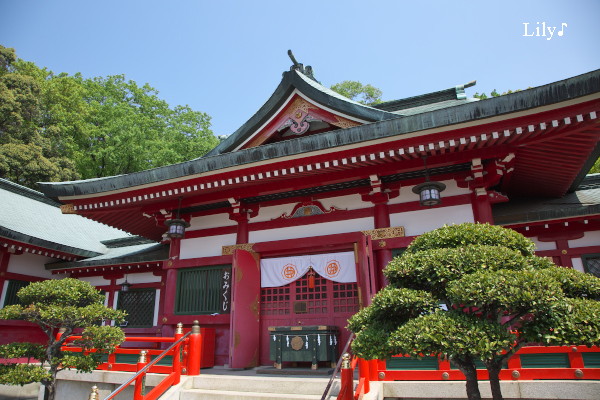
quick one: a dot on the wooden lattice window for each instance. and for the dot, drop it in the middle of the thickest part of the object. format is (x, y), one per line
(11, 292)
(314, 298)
(139, 305)
(345, 297)
(275, 300)
(591, 264)
(299, 298)
(205, 290)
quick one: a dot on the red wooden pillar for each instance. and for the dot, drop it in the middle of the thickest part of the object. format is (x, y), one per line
(381, 219)
(111, 292)
(482, 207)
(242, 227)
(4, 257)
(170, 287)
(241, 215)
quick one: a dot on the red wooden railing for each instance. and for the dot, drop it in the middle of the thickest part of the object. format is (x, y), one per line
(185, 350)
(377, 370)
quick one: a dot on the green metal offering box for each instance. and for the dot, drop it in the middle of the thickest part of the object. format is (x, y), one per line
(303, 343)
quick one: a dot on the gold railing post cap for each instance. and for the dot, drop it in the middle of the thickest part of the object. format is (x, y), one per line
(179, 329)
(142, 358)
(94, 395)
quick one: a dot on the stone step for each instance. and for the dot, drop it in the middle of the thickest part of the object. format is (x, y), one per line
(264, 384)
(205, 394)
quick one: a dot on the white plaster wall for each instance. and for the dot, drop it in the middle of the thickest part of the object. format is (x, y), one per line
(211, 221)
(205, 246)
(30, 264)
(349, 202)
(543, 245)
(577, 264)
(425, 220)
(407, 195)
(95, 280)
(589, 239)
(272, 212)
(326, 228)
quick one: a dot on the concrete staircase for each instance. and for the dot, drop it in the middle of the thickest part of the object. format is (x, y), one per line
(257, 387)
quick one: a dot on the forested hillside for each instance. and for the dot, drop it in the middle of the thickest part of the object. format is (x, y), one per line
(57, 127)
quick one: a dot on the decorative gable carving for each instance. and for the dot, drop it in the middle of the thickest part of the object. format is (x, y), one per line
(307, 209)
(298, 118)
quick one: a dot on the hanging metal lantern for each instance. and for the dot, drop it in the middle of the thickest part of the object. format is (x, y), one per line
(125, 285)
(176, 226)
(429, 191)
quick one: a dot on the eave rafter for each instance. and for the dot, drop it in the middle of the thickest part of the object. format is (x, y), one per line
(549, 230)
(126, 268)
(18, 248)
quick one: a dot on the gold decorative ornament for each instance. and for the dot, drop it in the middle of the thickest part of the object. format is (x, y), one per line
(382, 243)
(578, 373)
(385, 233)
(515, 374)
(346, 361)
(344, 123)
(297, 343)
(564, 252)
(300, 105)
(381, 375)
(164, 320)
(228, 250)
(68, 208)
(445, 376)
(94, 394)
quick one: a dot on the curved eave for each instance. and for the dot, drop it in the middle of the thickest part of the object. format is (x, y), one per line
(547, 95)
(45, 244)
(154, 254)
(316, 92)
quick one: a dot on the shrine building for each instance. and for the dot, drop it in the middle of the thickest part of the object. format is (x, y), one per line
(291, 219)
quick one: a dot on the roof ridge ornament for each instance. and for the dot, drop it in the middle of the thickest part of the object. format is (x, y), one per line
(308, 71)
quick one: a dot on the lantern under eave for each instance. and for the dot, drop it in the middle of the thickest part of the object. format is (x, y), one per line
(429, 193)
(176, 228)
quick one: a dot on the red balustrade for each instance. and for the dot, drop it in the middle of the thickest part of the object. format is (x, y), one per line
(528, 363)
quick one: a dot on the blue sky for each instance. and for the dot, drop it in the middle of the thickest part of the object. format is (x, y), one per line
(226, 57)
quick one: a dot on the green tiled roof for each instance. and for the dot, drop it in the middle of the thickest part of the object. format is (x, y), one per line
(32, 218)
(583, 202)
(120, 255)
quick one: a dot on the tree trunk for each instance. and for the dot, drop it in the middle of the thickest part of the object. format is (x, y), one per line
(49, 391)
(467, 367)
(494, 373)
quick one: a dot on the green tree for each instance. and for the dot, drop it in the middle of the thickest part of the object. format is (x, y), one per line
(462, 291)
(26, 150)
(354, 90)
(69, 304)
(72, 127)
(129, 128)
